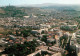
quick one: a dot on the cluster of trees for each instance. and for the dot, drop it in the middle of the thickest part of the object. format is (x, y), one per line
(78, 40)
(43, 53)
(68, 28)
(63, 41)
(20, 32)
(24, 33)
(44, 39)
(71, 51)
(21, 49)
(11, 11)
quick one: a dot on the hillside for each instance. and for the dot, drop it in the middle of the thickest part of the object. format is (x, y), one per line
(65, 12)
(58, 12)
(11, 11)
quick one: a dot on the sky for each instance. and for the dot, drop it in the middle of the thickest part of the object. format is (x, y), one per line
(29, 2)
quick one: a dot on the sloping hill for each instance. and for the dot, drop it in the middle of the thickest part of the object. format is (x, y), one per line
(11, 11)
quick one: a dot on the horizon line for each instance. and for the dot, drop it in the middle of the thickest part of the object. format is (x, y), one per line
(37, 4)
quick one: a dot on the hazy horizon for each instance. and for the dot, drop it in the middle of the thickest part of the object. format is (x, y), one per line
(30, 2)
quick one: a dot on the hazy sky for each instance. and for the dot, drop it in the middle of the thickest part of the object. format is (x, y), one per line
(22, 2)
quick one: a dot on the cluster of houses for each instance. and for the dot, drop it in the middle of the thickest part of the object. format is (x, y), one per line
(50, 27)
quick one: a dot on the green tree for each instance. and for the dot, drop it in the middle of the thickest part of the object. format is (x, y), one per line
(44, 38)
(26, 33)
(21, 49)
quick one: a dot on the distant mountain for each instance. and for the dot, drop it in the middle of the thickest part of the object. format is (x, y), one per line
(52, 6)
(41, 5)
(44, 5)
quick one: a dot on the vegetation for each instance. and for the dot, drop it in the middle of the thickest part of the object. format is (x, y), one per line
(44, 38)
(43, 53)
(68, 28)
(63, 41)
(52, 11)
(23, 32)
(21, 49)
(11, 11)
(78, 41)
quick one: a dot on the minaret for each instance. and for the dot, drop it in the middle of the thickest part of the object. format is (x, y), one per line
(9, 4)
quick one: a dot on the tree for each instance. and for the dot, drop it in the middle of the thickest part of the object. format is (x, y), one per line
(21, 49)
(26, 33)
(63, 40)
(17, 33)
(44, 38)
